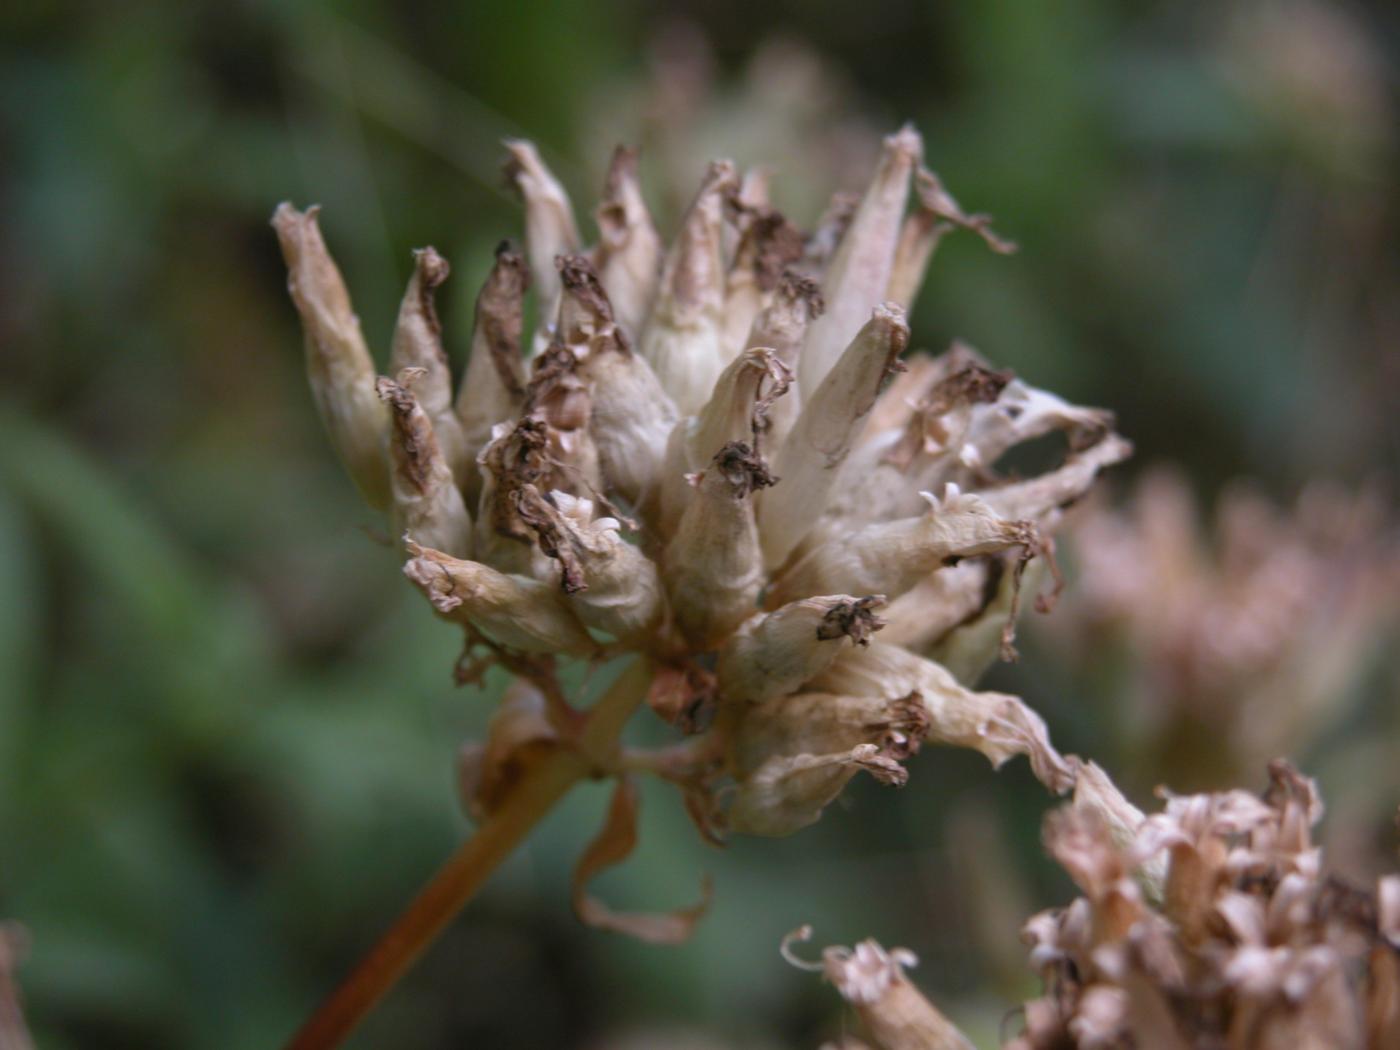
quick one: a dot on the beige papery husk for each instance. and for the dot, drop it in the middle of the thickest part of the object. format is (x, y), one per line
(717, 455)
(1212, 923)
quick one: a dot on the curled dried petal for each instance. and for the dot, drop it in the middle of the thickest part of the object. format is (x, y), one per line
(427, 503)
(613, 845)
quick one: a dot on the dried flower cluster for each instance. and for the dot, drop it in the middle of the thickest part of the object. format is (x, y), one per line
(1241, 645)
(698, 456)
(1208, 925)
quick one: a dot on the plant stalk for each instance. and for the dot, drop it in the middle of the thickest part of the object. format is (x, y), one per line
(466, 870)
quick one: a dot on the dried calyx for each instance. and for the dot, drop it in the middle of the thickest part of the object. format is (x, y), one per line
(717, 455)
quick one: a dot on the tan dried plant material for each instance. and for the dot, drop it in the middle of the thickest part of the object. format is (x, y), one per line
(855, 281)
(494, 383)
(338, 363)
(629, 252)
(428, 505)
(1247, 633)
(550, 230)
(713, 566)
(519, 736)
(514, 611)
(824, 432)
(684, 335)
(774, 653)
(614, 844)
(698, 471)
(417, 344)
(894, 1013)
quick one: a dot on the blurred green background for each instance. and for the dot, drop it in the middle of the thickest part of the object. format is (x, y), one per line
(227, 728)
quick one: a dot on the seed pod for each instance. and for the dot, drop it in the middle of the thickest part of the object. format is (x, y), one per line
(629, 252)
(788, 792)
(621, 593)
(895, 1013)
(549, 230)
(713, 567)
(823, 435)
(891, 557)
(859, 273)
(338, 363)
(736, 411)
(513, 611)
(772, 654)
(428, 506)
(631, 415)
(995, 724)
(494, 383)
(418, 344)
(684, 337)
(782, 326)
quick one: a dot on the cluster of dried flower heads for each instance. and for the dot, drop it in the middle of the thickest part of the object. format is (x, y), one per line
(1234, 646)
(712, 456)
(1208, 925)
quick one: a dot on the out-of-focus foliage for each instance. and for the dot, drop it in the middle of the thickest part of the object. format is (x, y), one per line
(226, 744)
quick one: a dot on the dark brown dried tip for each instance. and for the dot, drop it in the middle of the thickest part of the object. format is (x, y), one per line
(413, 433)
(770, 243)
(855, 620)
(581, 283)
(500, 312)
(433, 269)
(538, 513)
(798, 287)
(743, 468)
(903, 735)
(937, 200)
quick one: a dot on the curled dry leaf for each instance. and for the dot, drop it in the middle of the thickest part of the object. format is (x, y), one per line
(611, 847)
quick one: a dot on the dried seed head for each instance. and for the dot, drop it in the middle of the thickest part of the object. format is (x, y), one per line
(338, 362)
